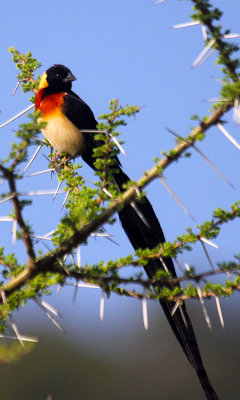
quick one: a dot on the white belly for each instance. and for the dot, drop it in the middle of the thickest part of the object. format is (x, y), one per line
(63, 135)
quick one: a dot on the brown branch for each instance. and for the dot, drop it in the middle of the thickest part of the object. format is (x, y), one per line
(18, 213)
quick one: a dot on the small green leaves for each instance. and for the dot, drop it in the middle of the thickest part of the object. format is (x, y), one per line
(27, 65)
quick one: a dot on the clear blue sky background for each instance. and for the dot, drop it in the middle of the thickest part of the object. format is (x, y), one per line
(126, 50)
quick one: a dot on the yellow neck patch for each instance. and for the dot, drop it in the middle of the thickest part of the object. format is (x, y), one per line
(43, 81)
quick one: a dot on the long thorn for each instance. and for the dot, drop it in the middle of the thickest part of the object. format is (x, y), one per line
(203, 156)
(204, 32)
(49, 315)
(144, 311)
(183, 316)
(102, 300)
(203, 53)
(176, 198)
(203, 239)
(41, 172)
(199, 291)
(24, 338)
(14, 232)
(219, 311)
(140, 214)
(7, 198)
(164, 264)
(207, 255)
(75, 292)
(174, 309)
(228, 136)
(33, 157)
(118, 144)
(57, 190)
(17, 116)
(12, 322)
(65, 199)
(186, 24)
(16, 88)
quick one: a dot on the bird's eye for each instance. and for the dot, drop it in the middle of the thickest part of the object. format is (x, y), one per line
(58, 76)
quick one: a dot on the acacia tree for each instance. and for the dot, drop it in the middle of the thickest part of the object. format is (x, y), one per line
(89, 207)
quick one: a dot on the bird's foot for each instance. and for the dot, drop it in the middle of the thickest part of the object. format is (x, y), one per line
(58, 165)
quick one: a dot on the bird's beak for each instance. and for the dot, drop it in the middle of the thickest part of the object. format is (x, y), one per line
(69, 78)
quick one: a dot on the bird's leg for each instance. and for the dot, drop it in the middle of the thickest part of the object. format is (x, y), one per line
(58, 165)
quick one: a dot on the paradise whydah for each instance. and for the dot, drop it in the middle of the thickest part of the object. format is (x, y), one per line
(67, 116)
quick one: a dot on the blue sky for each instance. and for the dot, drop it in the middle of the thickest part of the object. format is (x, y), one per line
(127, 50)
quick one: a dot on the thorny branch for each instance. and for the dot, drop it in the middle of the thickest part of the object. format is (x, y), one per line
(52, 262)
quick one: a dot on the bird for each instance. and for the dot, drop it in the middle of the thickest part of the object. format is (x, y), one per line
(67, 119)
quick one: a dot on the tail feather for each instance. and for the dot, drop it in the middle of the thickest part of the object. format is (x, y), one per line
(141, 236)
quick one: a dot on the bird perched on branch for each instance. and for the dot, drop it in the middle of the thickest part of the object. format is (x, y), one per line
(67, 116)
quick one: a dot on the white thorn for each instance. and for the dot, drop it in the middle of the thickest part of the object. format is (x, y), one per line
(207, 255)
(219, 311)
(75, 291)
(24, 338)
(158, 2)
(40, 192)
(203, 239)
(83, 285)
(65, 199)
(15, 328)
(187, 266)
(174, 309)
(215, 100)
(17, 116)
(213, 166)
(199, 291)
(102, 299)
(118, 144)
(206, 57)
(140, 214)
(48, 307)
(72, 258)
(179, 265)
(32, 159)
(59, 288)
(57, 190)
(14, 232)
(12, 322)
(236, 112)
(217, 80)
(183, 316)
(228, 136)
(231, 36)
(6, 219)
(107, 192)
(49, 234)
(79, 256)
(203, 53)
(204, 32)
(186, 24)
(144, 311)
(164, 264)
(16, 88)
(170, 191)
(7, 198)
(41, 172)
(203, 156)
(49, 315)
(138, 191)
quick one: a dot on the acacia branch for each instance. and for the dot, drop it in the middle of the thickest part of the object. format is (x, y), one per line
(19, 218)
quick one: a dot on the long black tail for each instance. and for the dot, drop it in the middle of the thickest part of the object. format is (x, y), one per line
(144, 231)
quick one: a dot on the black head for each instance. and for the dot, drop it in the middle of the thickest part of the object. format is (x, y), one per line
(58, 77)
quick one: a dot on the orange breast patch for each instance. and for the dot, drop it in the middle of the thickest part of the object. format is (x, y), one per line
(51, 104)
